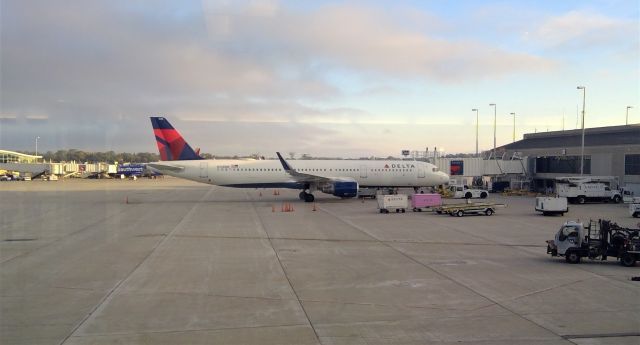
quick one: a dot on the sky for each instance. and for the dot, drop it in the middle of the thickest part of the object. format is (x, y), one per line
(324, 78)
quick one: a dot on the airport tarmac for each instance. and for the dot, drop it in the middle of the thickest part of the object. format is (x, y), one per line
(170, 261)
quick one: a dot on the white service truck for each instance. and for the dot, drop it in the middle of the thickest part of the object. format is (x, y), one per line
(463, 191)
(581, 190)
(634, 208)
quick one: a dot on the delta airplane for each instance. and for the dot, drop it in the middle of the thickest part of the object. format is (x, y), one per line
(340, 178)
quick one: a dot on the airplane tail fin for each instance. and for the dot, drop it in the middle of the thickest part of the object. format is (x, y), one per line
(170, 143)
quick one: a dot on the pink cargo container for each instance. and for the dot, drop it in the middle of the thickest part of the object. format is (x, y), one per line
(420, 201)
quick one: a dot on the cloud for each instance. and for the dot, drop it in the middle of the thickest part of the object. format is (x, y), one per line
(86, 67)
(371, 41)
(584, 29)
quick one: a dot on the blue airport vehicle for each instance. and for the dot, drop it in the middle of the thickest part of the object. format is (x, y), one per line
(132, 170)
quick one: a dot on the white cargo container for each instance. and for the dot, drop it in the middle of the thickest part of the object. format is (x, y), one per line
(551, 205)
(395, 202)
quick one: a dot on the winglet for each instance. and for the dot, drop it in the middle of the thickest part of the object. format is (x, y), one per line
(285, 165)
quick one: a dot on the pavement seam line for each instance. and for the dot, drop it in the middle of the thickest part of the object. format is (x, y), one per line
(186, 330)
(442, 274)
(259, 217)
(45, 245)
(116, 288)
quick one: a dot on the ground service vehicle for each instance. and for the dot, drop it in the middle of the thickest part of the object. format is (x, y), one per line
(627, 195)
(634, 208)
(458, 192)
(460, 210)
(421, 201)
(550, 205)
(597, 241)
(367, 193)
(582, 189)
(394, 202)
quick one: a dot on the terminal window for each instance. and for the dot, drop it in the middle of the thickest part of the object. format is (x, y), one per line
(632, 164)
(562, 164)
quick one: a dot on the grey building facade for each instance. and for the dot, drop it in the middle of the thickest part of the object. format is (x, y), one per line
(608, 151)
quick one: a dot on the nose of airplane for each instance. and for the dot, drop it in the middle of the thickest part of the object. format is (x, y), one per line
(443, 178)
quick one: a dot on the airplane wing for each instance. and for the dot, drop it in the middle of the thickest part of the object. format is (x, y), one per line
(302, 177)
(165, 167)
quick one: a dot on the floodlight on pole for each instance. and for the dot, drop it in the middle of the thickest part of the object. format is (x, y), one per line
(37, 145)
(495, 118)
(477, 125)
(627, 118)
(584, 96)
(514, 126)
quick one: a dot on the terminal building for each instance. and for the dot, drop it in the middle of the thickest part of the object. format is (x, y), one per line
(17, 157)
(539, 158)
(608, 151)
(29, 165)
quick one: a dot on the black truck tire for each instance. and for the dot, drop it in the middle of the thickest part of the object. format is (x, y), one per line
(572, 257)
(617, 199)
(488, 212)
(581, 199)
(628, 260)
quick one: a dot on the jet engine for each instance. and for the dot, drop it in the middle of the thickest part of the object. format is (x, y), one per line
(343, 189)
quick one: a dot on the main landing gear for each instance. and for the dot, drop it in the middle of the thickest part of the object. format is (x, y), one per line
(307, 197)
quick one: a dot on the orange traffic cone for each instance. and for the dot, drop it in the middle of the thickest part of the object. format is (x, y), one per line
(314, 207)
(292, 210)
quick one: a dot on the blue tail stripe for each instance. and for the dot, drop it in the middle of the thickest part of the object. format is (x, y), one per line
(160, 123)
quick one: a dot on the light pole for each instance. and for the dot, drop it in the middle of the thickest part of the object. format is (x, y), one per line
(514, 126)
(495, 118)
(627, 121)
(477, 124)
(584, 96)
(37, 146)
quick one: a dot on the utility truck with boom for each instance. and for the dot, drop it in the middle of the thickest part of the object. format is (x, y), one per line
(590, 188)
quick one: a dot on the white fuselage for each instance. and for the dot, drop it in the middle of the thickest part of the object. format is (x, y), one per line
(270, 173)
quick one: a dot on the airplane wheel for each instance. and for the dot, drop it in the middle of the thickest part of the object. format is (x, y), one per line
(309, 197)
(302, 195)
